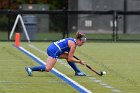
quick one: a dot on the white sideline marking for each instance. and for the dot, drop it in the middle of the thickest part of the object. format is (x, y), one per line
(92, 78)
(10, 60)
(5, 81)
(97, 81)
(115, 90)
(17, 82)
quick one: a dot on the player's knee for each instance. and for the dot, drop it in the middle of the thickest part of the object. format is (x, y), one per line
(48, 69)
(67, 59)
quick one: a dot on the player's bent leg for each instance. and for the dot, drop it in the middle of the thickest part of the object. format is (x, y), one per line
(38, 68)
(64, 56)
(29, 70)
(73, 65)
(76, 69)
(50, 63)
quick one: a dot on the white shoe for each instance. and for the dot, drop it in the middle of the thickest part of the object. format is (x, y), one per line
(29, 71)
(80, 74)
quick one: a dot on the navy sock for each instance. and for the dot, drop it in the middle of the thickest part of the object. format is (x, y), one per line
(38, 68)
(74, 67)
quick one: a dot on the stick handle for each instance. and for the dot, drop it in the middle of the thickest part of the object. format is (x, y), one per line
(76, 57)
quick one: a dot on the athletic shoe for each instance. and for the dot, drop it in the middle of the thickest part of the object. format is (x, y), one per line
(29, 71)
(80, 74)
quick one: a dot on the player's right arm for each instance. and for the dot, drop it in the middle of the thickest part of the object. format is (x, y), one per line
(72, 47)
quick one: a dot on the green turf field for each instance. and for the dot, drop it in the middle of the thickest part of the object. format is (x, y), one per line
(58, 35)
(119, 60)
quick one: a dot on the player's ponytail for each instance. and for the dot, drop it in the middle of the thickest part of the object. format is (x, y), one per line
(80, 36)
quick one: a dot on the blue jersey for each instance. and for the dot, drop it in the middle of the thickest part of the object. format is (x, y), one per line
(59, 47)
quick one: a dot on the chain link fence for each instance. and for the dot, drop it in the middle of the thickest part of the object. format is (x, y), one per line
(100, 20)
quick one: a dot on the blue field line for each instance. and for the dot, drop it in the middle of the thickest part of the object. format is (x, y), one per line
(71, 82)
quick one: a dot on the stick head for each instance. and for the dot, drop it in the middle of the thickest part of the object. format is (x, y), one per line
(102, 73)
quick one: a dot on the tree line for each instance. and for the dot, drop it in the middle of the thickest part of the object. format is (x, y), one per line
(14, 4)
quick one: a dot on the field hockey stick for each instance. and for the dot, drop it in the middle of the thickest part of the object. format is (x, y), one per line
(100, 74)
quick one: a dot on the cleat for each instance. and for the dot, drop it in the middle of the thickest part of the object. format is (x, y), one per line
(29, 71)
(80, 74)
